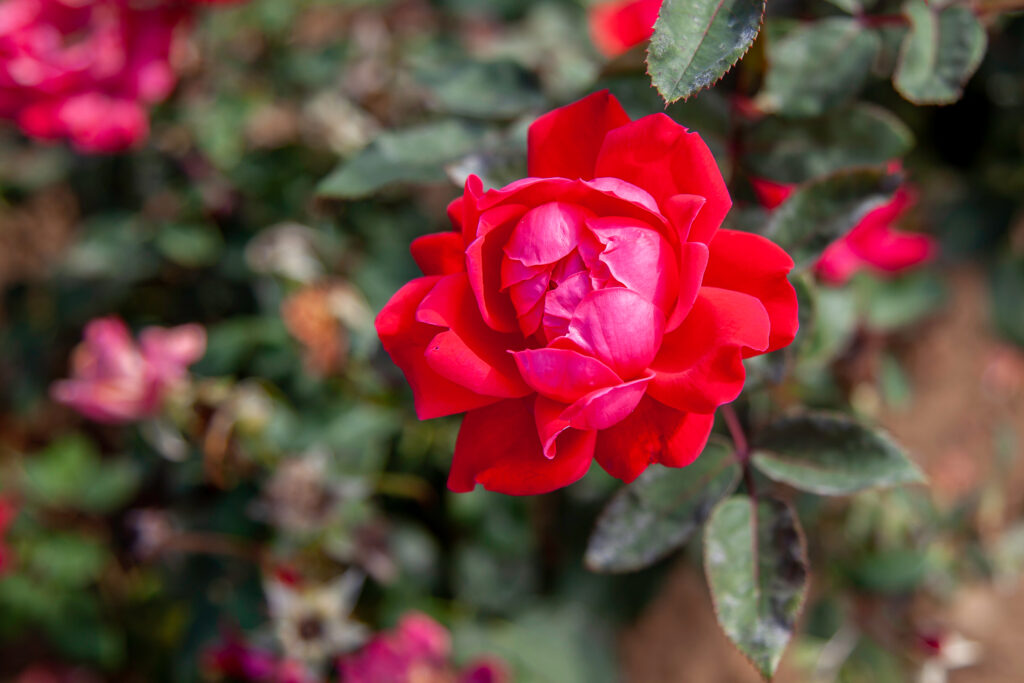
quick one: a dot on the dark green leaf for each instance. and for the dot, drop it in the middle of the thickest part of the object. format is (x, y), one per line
(824, 210)
(415, 155)
(942, 50)
(491, 90)
(831, 455)
(756, 563)
(660, 511)
(65, 559)
(70, 473)
(817, 66)
(696, 41)
(788, 151)
(188, 245)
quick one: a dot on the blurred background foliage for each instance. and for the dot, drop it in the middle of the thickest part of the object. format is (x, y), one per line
(307, 143)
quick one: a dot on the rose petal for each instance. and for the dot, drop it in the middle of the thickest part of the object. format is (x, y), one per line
(700, 365)
(562, 374)
(561, 302)
(620, 328)
(602, 408)
(652, 433)
(639, 258)
(748, 263)
(546, 234)
(440, 253)
(498, 447)
(659, 155)
(484, 262)
(405, 339)
(618, 25)
(564, 143)
(469, 353)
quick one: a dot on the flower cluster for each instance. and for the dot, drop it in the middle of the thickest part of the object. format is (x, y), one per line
(116, 380)
(87, 70)
(594, 310)
(872, 244)
(418, 649)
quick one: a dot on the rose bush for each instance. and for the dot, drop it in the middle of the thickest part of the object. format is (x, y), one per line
(872, 244)
(594, 310)
(617, 26)
(115, 380)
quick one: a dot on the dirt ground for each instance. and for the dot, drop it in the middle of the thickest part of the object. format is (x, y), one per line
(965, 426)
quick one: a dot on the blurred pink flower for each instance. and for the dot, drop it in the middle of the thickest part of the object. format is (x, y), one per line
(115, 380)
(234, 659)
(7, 514)
(418, 649)
(87, 70)
(874, 243)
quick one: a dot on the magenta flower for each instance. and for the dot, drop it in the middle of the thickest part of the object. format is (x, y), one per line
(418, 649)
(113, 379)
(7, 514)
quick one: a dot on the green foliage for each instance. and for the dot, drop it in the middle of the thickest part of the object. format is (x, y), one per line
(756, 563)
(416, 155)
(696, 43)
(70, 473)
(661, 511)
(1008, 297)
(942, 50)
(795, 151)
(818, 66)
(825, 209)
(831, 455)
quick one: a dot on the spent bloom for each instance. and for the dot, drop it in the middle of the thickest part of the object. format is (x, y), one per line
(873, 244)
(594, 310)
(113, 379)
(418, 649)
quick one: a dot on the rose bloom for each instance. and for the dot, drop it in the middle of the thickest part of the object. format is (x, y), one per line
(418, 649)
(592, 310)
(113, 379)
(619, 25)
(872, 244)
(87, 70)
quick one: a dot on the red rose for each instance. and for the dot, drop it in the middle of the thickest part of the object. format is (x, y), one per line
(873, 243)
(621, 24)
(592, 310)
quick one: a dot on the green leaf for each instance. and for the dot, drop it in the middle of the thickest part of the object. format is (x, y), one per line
(788, 151)
(65, 559)
(660, 511)
(831, 455)
(414, 155)
(70, 473)
(824, 210)
(755, 559)
(696, 42)
(942, 50)
(491, 90)
(190, 245)
(818, 66)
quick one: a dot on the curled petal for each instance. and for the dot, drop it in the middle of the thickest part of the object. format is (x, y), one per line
(440, 253)
(620, 328)
(484, 264)
(652, 433)
(564, 143)
(748, 263)
(405, 339)
(603, 408)
(469, 352)
(563, 374)
(546, 234)
(639, 258)
(700, 365)
(499, 448)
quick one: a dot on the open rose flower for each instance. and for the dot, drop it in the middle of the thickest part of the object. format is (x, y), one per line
(619, 25)
(418, 649)
(592, 310)
(872, 244)
(113, 379)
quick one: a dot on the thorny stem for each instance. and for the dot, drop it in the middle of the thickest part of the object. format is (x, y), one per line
(739, 440)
